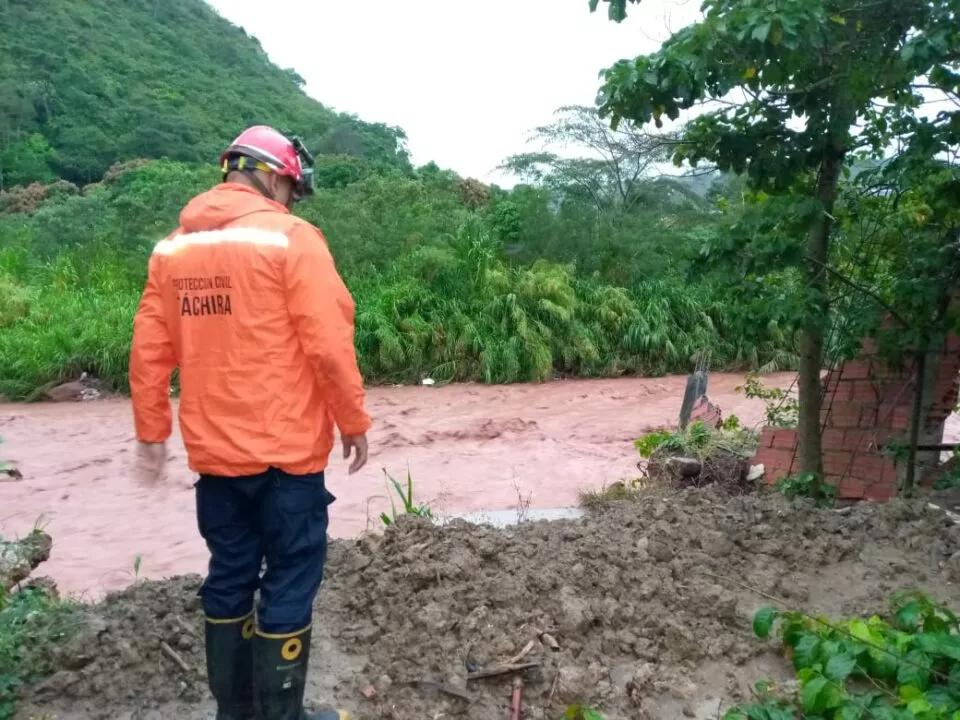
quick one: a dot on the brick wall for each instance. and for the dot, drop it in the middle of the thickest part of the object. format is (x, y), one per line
(866, 404)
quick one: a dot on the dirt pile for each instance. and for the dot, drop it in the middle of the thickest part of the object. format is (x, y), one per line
(646, 608)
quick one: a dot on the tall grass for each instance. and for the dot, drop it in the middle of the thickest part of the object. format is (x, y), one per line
(450, 306)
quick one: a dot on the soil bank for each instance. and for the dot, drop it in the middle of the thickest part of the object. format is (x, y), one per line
(649, 603)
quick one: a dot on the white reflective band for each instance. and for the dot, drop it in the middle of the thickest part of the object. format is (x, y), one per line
(248, 236)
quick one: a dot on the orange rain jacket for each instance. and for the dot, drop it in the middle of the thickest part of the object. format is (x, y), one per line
(245, 299)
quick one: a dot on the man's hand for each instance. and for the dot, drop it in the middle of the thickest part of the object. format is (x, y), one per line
(151, 460)
(357, 443)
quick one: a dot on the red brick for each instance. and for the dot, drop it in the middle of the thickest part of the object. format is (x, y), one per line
(845, 416)
(855, 370)
(776, 463)
(863, 392)
(785, 439)
(843, 392)
(837, 462)
(895, 392)
(889, 476)
(851, 489)
(857, 440)
(881, 370)
(832, 438)
(953, 344)
(900, 419)
(868, 417)
(869, 468)
(879, 491)
(868, 347)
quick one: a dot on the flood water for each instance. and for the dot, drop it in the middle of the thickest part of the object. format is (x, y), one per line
(469, 448)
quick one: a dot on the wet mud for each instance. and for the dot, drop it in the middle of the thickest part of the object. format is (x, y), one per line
(642, 609)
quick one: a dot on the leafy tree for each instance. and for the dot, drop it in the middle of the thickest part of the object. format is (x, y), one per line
(820, 81)
(621, 159)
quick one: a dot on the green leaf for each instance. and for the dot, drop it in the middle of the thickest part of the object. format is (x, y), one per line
(953, 682)
(859, 629)
(816, 695)
(920, 705)
(839, 667)
(763, 621)
(939, 644)
(914, 670)
(909, 693)
(909, 615)
(761, 32)
(805, 653)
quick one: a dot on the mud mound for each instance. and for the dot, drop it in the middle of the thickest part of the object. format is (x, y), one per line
(643, 609)
(142, 645)
(637, 598)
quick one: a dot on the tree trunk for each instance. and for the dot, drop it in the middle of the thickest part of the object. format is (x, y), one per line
(811, 341)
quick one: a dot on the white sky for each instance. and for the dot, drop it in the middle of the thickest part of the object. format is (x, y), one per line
(467, 81)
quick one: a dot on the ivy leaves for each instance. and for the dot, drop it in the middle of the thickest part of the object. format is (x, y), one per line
(906, 669)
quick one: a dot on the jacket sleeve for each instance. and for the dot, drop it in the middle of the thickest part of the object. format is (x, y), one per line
(323, 313)
(152, 360)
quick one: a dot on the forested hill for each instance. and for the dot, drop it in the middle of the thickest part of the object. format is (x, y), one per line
(87, 83)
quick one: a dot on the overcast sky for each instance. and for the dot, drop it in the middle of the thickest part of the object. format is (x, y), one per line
(466, 80)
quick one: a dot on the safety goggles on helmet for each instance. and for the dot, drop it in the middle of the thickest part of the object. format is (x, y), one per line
(263, 148)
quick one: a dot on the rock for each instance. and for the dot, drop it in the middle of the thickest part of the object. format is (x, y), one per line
(952, 567)
(67, 392)
(18, 558)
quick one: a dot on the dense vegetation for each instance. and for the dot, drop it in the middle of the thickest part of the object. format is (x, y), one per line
(436, 292)
(584, 269)
(87, 83)
(797, 93)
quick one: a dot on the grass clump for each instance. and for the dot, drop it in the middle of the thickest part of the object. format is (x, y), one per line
(624, 489)
(31, 623)
(805, 485)
(406, 501)
(903, 667)
(699, 440)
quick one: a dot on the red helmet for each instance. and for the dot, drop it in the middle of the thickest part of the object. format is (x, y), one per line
(272, 152)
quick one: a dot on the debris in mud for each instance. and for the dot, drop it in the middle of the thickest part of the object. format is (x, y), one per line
(642, 610)
(707, 413)
(19, 558)
(720, 466)
(12, 474)
(698, 455)
(84, 388)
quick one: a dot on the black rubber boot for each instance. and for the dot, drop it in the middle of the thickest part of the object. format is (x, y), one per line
(230, 667)
(280, 673)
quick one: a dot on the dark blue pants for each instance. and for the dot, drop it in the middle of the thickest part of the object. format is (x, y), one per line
(274, 515)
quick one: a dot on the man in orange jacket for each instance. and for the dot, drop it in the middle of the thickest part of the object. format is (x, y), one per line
(245, 300)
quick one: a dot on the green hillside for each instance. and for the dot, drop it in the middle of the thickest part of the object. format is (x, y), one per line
(87, 83)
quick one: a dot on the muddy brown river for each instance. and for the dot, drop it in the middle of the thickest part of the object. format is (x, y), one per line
(468, 447)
